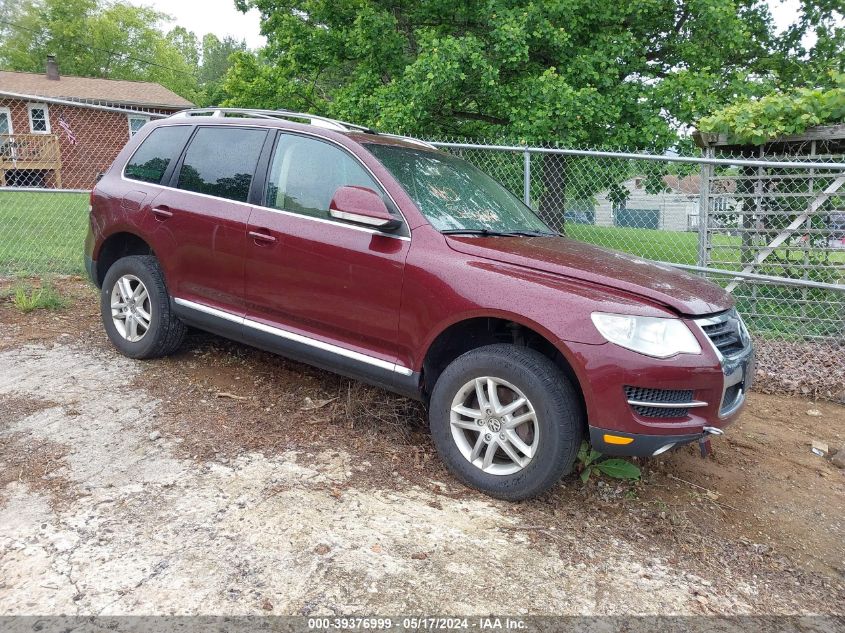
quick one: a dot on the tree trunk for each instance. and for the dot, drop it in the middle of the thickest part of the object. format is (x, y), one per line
(552, 200)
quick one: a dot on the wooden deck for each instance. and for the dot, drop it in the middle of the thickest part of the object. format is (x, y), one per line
(30, 152)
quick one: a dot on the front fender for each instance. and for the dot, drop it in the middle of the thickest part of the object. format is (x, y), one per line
(442, 289)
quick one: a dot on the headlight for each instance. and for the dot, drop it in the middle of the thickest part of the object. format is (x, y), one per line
(652, 336)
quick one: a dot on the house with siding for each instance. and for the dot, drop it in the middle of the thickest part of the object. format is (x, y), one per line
(61, 132)
(674, 209)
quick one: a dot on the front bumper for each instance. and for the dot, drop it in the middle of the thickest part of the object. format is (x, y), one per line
(712, 385)
(640, 445)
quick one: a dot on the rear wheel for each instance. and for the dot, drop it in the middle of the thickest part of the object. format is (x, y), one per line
(135, 309)
(506, 420)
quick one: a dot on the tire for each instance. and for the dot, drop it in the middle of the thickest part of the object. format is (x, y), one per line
(165, 332)
(554, 433)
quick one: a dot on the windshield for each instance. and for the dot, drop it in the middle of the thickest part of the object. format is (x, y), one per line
(455, 196)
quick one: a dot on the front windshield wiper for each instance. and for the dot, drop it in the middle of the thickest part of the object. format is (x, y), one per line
(535, 233)
(491, 233)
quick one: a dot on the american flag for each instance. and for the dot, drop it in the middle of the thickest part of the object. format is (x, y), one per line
(71, 137)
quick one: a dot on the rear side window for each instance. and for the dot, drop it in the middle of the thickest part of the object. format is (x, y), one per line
(305, 173)
(221, 162)
(151, 159)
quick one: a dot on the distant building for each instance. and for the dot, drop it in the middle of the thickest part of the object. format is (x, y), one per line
(57, 145)
(675, 209)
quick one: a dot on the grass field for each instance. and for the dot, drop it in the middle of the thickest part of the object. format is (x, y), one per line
(42, 232)
(666, 246)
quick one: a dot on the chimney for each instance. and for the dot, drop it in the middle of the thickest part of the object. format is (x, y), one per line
(52, 68)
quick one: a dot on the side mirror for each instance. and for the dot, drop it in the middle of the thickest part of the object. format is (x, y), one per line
(363, 206)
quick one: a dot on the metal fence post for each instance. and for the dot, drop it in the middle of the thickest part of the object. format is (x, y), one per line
(526, 182)
(704, 208)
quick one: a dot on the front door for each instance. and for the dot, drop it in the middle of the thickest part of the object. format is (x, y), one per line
(315, 276)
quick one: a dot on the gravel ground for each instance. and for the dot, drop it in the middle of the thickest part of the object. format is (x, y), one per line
(801, 368)
(228, 481)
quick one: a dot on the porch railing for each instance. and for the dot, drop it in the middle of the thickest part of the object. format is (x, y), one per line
(20, 152)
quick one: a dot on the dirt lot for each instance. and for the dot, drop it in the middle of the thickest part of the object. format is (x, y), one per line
(228, 481)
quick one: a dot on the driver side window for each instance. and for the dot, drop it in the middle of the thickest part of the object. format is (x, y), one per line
(305, 173)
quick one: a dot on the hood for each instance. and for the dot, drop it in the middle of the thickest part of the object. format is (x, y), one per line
(687, 294)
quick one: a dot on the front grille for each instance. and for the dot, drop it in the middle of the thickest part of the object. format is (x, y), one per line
(726, 333)
(646, 394)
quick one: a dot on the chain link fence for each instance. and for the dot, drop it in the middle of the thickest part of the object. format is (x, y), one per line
(51, 153)
(771, 229)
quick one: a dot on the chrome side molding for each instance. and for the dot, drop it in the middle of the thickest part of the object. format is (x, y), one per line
(299, 338)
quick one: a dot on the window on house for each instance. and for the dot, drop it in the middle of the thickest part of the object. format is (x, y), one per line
(5, 121)
(136, 122)
(39, 118)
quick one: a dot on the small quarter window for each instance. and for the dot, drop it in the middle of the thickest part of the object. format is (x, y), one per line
(153, 157)
(221, 162)
(39, 118)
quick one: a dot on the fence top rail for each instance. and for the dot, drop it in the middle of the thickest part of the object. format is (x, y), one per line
(772, 279)
(81, 104)
(728, 162)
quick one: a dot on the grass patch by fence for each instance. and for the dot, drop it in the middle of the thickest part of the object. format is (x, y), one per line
(681, 247)
(666, 246)
(42, 232)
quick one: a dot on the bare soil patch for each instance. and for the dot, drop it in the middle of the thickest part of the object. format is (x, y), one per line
(16, 406)
(36, 463)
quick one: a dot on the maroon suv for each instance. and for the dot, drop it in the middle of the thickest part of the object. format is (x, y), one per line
(381, 258)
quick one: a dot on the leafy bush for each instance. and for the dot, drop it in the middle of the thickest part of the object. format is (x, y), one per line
(591, 460)
(756, 121)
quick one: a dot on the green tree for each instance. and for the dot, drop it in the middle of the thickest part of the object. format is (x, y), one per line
(577, 71)
(216, 61)
(91, 38)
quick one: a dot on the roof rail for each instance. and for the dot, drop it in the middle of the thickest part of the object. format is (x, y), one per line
(409, 139)
(313, 119)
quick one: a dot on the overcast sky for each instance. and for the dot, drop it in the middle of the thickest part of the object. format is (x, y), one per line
(221, 18)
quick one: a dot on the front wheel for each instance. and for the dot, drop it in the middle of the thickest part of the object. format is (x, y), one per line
(135, 308)
(506, 420)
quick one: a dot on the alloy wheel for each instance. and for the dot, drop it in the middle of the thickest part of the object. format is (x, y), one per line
(494, 425)
(130, 308)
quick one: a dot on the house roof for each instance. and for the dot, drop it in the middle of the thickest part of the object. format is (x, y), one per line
(93, 90)
(691, 184)
(688, 184)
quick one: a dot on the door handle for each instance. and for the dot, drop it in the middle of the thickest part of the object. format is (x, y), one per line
(162, 212)
(261, 237)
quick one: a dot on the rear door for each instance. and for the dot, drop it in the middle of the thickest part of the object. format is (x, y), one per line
(203, 214)
(316, 276)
